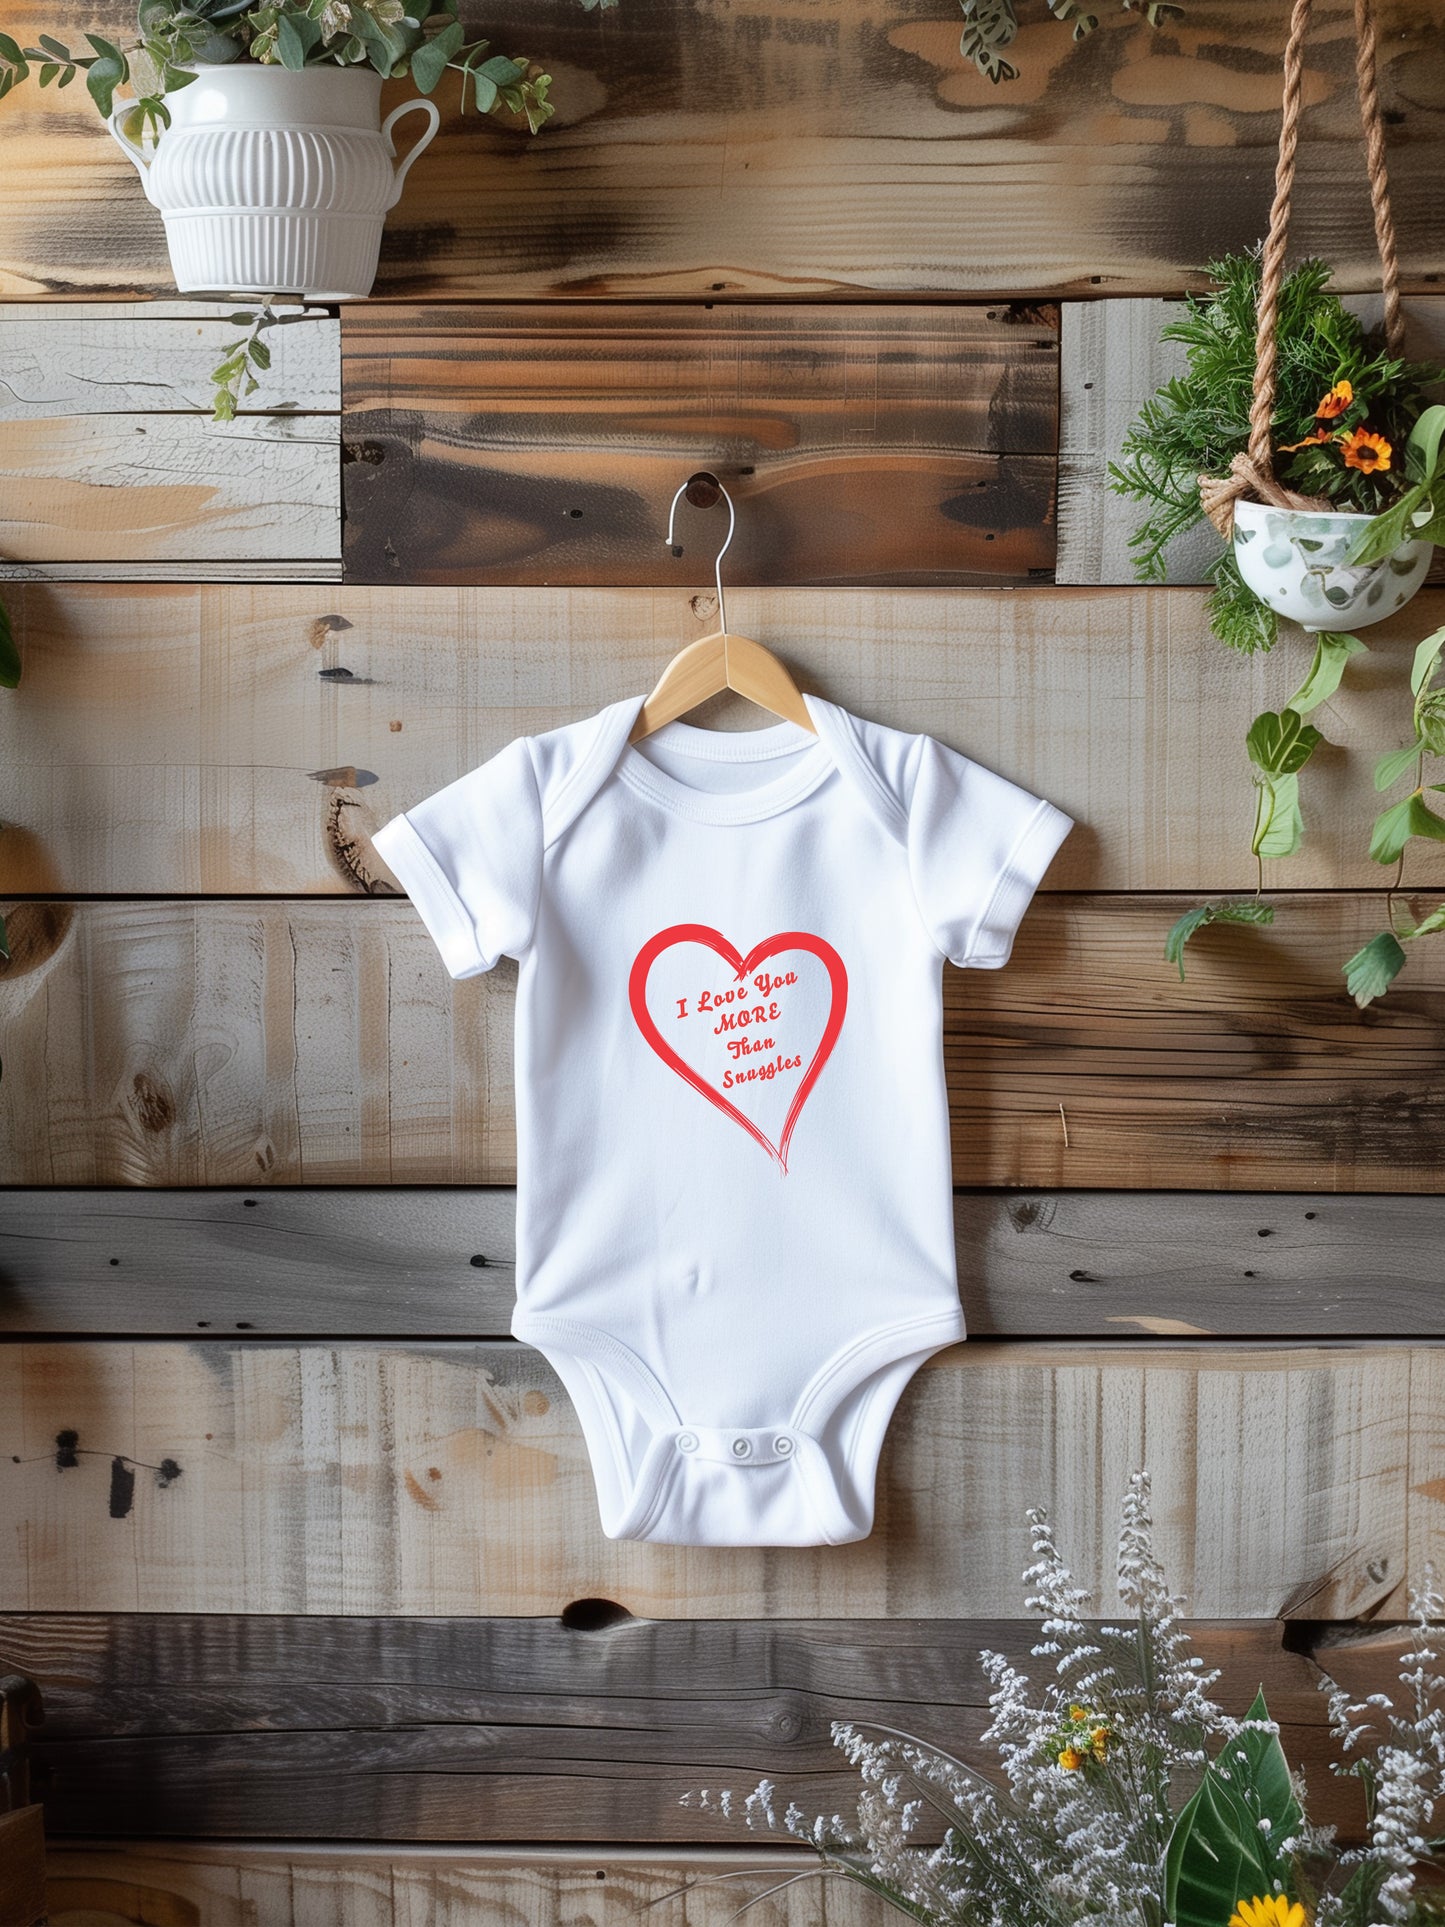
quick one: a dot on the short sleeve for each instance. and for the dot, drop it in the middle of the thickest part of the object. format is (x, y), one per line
(470, 859)
(978, 847)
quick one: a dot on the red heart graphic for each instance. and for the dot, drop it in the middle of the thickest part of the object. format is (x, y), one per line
(770, 947)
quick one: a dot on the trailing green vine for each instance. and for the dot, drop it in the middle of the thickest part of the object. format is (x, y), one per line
(1355, 431)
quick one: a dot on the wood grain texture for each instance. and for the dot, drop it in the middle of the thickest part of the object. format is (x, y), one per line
(906, 445)
(1112, 361)
(60, 359)
(22, 1868)
(399, 1262)
(183, 1043)
(452, 1478)
(108, 454)
(220, 1885)
(825, 147)
(244, 740)
(481, 1729)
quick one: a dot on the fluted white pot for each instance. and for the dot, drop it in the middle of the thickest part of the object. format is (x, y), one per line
(274, 182)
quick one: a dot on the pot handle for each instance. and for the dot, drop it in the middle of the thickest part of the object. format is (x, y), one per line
(139, 159)
(429, 108)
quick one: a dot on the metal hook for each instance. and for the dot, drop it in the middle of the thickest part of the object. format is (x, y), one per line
(703, 490)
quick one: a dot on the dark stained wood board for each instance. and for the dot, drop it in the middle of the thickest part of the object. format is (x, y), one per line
(487, 1729)
(331, 1476)
(903, 445)
(226, 1043)
(398, 1261)
(824, 147)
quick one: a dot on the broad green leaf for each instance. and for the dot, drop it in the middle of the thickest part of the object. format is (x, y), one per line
(1423, 445)
(1279, 744)
(260, 354)
(10, 50)
(53, 47)
(429, 62)
(1371, 971)
(1280, 825)
(1217, 1853)
(1332, 652)
(1431, 925)
(1395, 827)
(1250, 910)
(1393, 766)
(9, 654)
(1427, 661)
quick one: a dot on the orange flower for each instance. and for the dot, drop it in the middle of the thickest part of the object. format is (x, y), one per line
(1310, 441)
(1366, 451)
(1071, 1759)
(1335, 402)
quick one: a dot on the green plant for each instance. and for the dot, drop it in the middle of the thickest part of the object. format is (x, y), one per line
(1338, 395)
(1371, 971)
(1353, 430)
(1104, 1805)
(423, 40)
(991, 25)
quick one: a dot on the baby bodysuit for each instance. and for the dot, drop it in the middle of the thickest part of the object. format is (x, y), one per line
(735, 1236)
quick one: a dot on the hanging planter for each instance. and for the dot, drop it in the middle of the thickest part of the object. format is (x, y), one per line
(1324, 469)
(274, 181)
(256, 127)
(1301, 553)
(1298, 561)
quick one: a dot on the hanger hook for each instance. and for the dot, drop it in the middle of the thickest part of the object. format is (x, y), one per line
(713, 482)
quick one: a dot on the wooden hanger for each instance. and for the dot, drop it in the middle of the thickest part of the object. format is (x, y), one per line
(722, 660)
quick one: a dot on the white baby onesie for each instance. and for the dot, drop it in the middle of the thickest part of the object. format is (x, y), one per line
(735, 1237)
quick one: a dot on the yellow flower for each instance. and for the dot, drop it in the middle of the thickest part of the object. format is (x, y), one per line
(1077, 1713)
(1274, 1910)
(1099, 1742)
(1071, 1758)
(1320, 435)
(1335, 402)
(1366, 451)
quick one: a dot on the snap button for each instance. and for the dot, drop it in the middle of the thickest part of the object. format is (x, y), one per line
(687, 1441)
(742, 1449)
(783, 1444)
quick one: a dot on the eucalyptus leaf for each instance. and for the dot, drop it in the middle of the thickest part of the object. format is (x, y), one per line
(429, 62)
(1371, 971)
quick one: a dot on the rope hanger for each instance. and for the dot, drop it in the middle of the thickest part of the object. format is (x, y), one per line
(1252, 473)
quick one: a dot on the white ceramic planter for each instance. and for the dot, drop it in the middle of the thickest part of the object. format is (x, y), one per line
(1294, 560)
(273, 182)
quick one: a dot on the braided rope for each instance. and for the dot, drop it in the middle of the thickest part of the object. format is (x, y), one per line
(1252, 473)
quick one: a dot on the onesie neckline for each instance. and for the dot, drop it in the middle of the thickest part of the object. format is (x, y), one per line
(731, 746)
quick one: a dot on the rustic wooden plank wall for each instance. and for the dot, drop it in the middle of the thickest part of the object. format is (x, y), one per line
(295, 1538)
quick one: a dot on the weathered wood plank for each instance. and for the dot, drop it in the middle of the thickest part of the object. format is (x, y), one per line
(323, 1043)
(907, 445)
(273, 1886)
(110, 489)
(441, 1263)
(452, 1478)
(257, 1726)
(1111, 362)
(242, 740)
(826, 148)
(155, 358)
